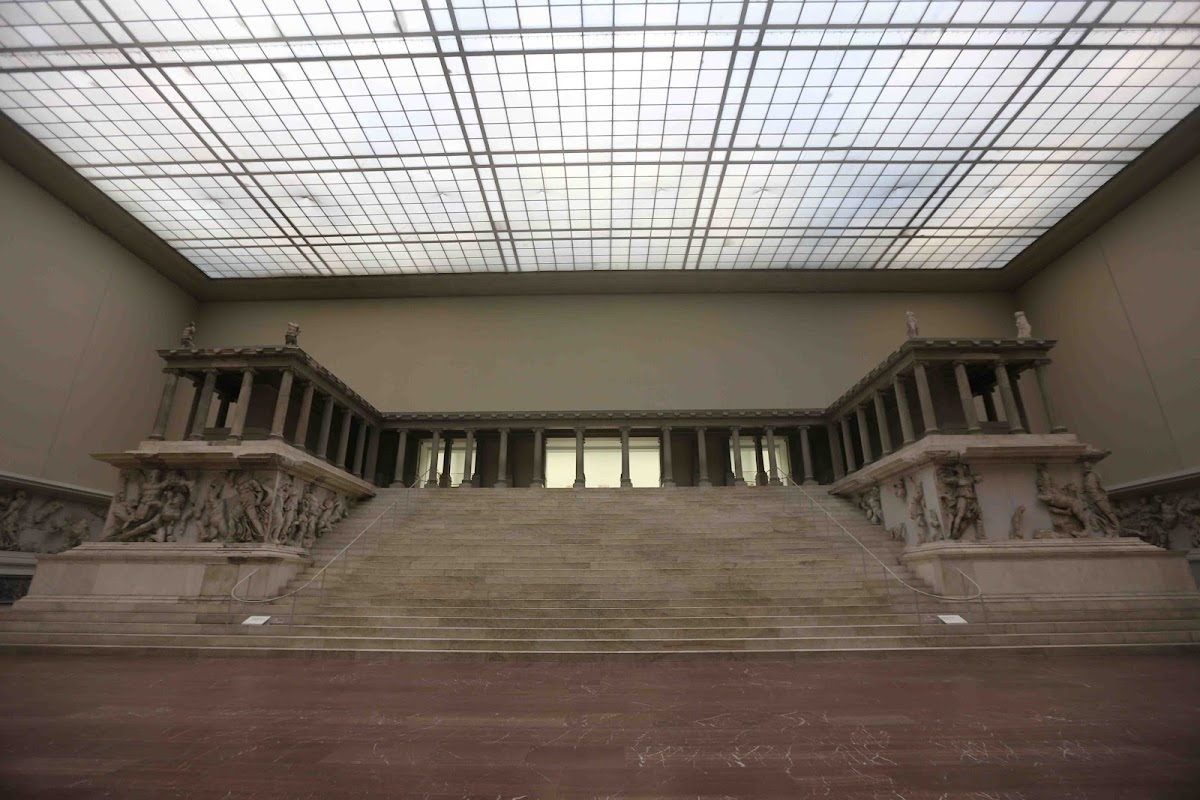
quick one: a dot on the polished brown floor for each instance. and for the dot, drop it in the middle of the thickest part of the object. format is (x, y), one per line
(1012, 727)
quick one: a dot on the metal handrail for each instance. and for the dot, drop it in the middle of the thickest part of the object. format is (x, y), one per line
(978, 595)
(319, 573)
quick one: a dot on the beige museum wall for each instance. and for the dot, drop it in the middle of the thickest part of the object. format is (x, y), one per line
(80, 318)
(605, 352)
(1125, 306)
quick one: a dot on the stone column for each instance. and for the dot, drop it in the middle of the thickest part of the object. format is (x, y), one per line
(906, 426)
(848, 444)
(300, 439)
(864, 435)
(326, 428)
(736, 441)
(502, 472)
(165, 404)
(925, 399)
(401, 451)
(885, 435)
(435, 447)
(760, 467)
(344, 439)
(806, 456)
(468, 451)
(580, 475)
(965, 396)
(626, 481)
(206, 395)
(281, 404)
(238, 428)
(835, 452)
(1039, 372)
(447, 450)
(702, 457)
(539, 446)
(668, 477)
(372, 456)
(773, 459)
(1010, 402)
(360, 448)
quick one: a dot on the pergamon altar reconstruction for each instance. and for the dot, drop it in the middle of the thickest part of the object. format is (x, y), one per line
(605, 400)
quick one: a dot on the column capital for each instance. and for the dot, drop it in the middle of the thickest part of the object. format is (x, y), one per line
(1041, 362)
(210, 371)
(668, 428)
(625, 429)
(702, 428)
(176, 371)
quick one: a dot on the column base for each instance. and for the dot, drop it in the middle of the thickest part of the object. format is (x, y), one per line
(668, 484)
(626, 483)
(276, 436)
(809, 482)
(431, 484)
(500, 485)
(704, 483)
(739, 482)
(579, 484)
(1059, 429)
(774, 482)
(466, 485)
(156, 437)
(537, 485)
(195, 437)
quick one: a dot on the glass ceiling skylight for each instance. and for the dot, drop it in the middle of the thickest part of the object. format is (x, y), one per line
(334, 137)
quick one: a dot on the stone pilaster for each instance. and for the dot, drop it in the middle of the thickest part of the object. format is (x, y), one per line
(468, 452)
(864, 435)
(165, 404)
(925, 398)
(202, 408)
(238, 428)
(326, 428)
(668, 477)
(1006, 396)
(539, 453)
(502, 472)
(300, 439)
(626, 481)
(580, 474)
(434, 448)
(773, 459)
(281, 404)
(966, 398)
(735, 436)
(906, 425)
(881, 421)
(806, 456)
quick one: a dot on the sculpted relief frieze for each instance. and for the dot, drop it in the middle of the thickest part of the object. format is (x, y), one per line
(32, 522)
(263, 507)
(1163, 520)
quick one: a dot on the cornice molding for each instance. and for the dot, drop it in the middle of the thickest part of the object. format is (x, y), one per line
(38, 163)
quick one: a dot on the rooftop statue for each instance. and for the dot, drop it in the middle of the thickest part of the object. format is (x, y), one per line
(910, 321)
(292, 336)
(188, 336)
(1024, 331)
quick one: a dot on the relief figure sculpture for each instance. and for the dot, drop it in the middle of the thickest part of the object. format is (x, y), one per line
(916, 511)
(960, 501)
(1068, 512)
(1100, 511)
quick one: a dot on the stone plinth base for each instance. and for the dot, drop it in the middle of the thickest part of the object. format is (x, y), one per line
(162, 571)
(1097, 566)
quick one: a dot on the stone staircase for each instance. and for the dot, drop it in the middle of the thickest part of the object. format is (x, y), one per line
(597, 573)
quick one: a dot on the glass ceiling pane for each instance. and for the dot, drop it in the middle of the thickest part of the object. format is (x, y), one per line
(359, 137)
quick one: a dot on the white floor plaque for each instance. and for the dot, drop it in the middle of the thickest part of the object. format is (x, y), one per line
(261, 620)
(952, 619)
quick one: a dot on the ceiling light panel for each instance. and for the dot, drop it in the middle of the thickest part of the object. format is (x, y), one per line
(309, 137)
